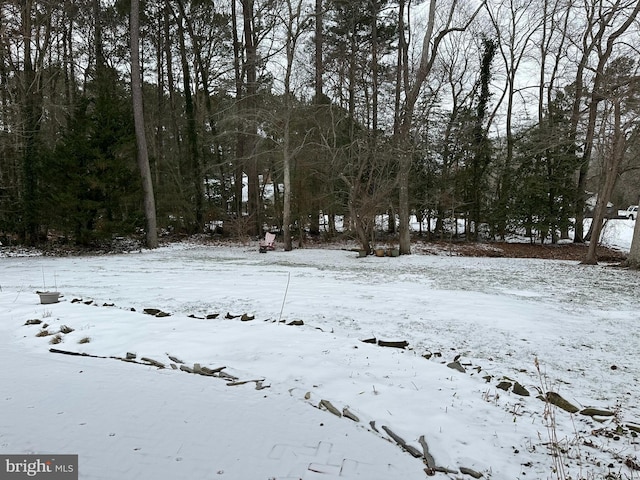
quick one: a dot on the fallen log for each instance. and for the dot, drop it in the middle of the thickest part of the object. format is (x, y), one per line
(329, 406)
(243, 382)
(151, 361)
(560, 402)
(75, 354)
(350, 415)
(428, 458)
(468, 471)
(401, 344)
(400, 441)
(211, 371)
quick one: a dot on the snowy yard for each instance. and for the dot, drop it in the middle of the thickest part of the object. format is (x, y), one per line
(471, 324)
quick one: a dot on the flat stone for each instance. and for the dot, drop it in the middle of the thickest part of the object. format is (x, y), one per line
(520, 390)
(504, 385)
(456, 366)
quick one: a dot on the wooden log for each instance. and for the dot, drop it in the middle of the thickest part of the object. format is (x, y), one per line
(596, 412)
(401, 344)
(631, 426)
(212, 371)
(473, 473)
(557, 400)
(75, 354)
(428, 458)
(242, 382)
(348, 414)
(227, 376)
(445, 470)
(329, 406)
(153, 362)
(400, 441)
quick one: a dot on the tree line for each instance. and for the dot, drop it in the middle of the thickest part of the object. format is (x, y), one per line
(508, 115)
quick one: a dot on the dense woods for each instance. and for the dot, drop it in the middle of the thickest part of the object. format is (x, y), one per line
(290, 115)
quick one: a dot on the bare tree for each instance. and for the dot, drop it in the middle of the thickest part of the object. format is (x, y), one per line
(633, 259)
(606, 23)
(430, 44)
(370, 183)
(618, 91)
(141, 138)
(295, 23)
(515, 22)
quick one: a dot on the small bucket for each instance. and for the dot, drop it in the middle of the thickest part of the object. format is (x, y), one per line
(49, 297)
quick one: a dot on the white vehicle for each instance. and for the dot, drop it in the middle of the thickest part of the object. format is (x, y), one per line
(631, 213)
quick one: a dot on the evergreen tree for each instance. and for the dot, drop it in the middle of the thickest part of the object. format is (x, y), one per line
(542, 200)
(92, 183)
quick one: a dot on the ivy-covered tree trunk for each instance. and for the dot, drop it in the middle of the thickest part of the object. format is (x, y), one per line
(482, 153)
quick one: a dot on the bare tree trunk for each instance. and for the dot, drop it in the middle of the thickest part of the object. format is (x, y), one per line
(31, 103)
(595, 41)
(612, 168)
(515, 36)
(31, 126)
(633, 260)
(141, 138)
(319, 63)
(401, 64)
(250, 103)
(193, 158)
(430, 44)
(239, 82)
(295, 24)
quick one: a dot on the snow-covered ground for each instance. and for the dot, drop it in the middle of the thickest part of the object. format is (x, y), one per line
(494, 318)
